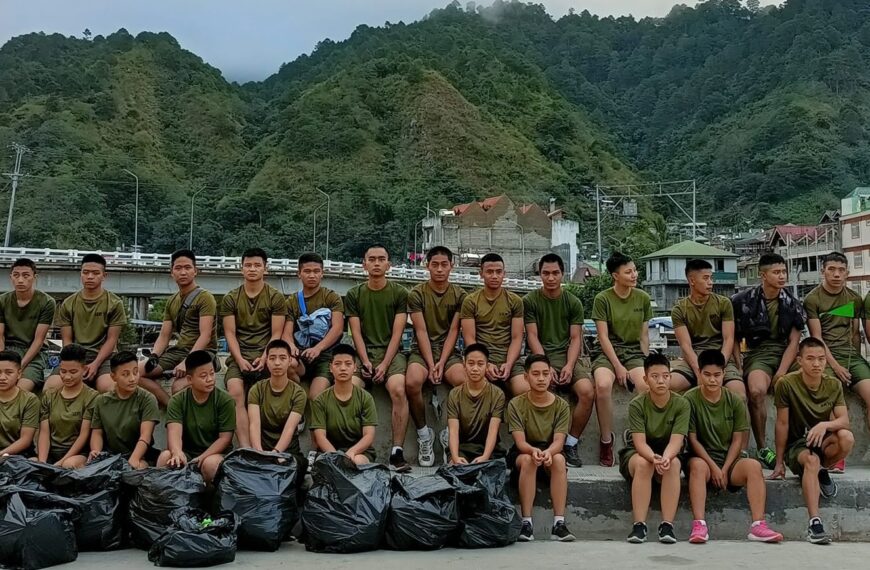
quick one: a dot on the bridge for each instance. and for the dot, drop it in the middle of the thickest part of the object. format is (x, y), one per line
(142, 276)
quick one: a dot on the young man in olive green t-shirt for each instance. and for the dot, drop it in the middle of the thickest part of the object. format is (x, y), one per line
(658, 421)
(92, 318)
(434, 308)
(200, 420)
(190, 316)
(718, 433)
(19, 409)
(812, 430)
(538, 421)
(252, 315)
(554, 327)
(377, 311)
(276, 406)
(26, 315)
(314, 352)
(123, 420)
(474, 413)
(493, 316)
(703, 321)
(621, 316)
(343, 417)
(65, 413)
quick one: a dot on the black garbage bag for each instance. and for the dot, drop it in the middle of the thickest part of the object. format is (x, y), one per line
(36, 535)
(423, 513)
(260, 488)
(156, 494)
(196, 539)
(346, 509)
(27, 474)
(487, 517)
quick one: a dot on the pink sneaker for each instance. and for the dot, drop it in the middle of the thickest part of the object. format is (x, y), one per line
(839, 467)
(699, 533)
(762, 533)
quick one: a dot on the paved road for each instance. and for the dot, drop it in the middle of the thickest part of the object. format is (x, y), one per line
(540, 554)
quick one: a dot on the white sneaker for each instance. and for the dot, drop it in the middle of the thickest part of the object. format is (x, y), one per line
(444, 437)
(426, 449)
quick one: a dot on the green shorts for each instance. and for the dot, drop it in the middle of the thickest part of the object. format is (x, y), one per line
(370, 453)
(680, 366)
(105, 367)
(631, 358)
(319, 368)
(766, 358)
(55, 454)
(471, 451)
(720, 461)
(558, 361)
(854, 362)
(35, 371)
(250, 378)
(376, 356)
(516, 370)
(172, 357)
(791, 456)
(416, 358)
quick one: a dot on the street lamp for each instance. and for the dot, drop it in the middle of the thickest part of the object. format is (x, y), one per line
(192, 199)
(136, 215)
(327, 220)
(314, 232)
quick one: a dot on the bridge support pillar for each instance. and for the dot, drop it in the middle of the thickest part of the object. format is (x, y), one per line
(140, 308)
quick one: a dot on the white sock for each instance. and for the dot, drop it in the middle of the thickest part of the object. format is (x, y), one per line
(756, 523)
(557, 519)
(423, 433)
(527, 520)
(571, 441)
(702, 521)
(608, 440)
(395, 449)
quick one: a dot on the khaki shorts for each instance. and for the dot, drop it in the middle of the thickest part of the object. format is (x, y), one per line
(172, 357)
(416, 358)
(319, 368)
(251, 378)
(376, 356)
(631, 358)
(558, 361)
(35, 371)
(731, 372)
(854, 362)
(765, 358)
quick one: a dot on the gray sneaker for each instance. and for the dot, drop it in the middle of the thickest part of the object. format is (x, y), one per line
(426, 449)
(444, 438)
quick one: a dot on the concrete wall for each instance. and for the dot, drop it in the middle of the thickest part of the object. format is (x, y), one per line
(566, 232)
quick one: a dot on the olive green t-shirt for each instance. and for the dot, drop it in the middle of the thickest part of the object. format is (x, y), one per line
(204, 305)
(475, 412)
(275, 409)
(21, 411)
(806, 408)
(553, 318)
(704, 322)
(438, 310)
(20, 322)
(253, 315)
(201, 423)
(493, 320)
(624, 317)
(837, 331)
(343, 421)
(65, 415)
(539, 424)
(376, 311)
(658, 424)
(121, 419)
(716, 424)
(91, 319)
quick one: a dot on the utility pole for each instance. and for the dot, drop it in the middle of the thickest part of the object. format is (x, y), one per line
(20, 149)
(136, 215)
(327, 221)
(598, 220)
(192, 200)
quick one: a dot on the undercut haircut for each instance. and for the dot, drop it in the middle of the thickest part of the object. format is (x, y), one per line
(343, 350)
(617, 260)
(834, 257)
(255, 252)
(711, 358)
(768, 259)
(532, 358)
(73, 353)
(196, 359)
(551, 258)
(186, 253)
(94, 258)
(491, 258)
(310, 257)
(10, 356)
(476, 347)
(810, 342)
(122, 358)
(439, 250)
(697, 265)
(656, 359)
(24, 262)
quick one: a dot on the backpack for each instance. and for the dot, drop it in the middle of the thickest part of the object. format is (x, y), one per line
(311, 329)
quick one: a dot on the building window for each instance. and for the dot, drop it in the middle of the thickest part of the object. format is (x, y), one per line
(856, 230)
(720, 265)
(858, 260)
(814, 264)
(867, 223)
(663, 269)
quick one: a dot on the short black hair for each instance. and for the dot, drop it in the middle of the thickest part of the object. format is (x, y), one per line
(768, 259)
(278, 343)
(121, 358)
(310, 257)
(810, 342)
(24, 262)
(711, 357)
(256, 252)
(834, 257)
(439, 250)
(197, 358)
(10, 356)
(94, 258)
(182, 253)
(551, 258)
(491, 258)
(376, 246)
(656, 359)
(476, 347)
(697, 265)
(343, 349)
(73, 353)
(532, 358)
(617, 260)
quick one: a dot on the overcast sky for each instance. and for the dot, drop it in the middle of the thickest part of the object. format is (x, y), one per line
(249, 40)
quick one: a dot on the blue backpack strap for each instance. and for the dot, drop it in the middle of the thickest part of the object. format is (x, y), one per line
(301, 299)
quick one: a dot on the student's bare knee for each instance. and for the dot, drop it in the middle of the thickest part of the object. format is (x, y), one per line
(737, 388)
(698, 468)
(558, 462)
(519, 385)
(811, 462)
(163, 458)
(846, 439)
(642, 467)
(525, 462)
(584, 390)
(360, 460)
(603, 384)
(236, 389)
(415, 378)
(396, 387)
(26, 385)
(104, 383)
(179, 385)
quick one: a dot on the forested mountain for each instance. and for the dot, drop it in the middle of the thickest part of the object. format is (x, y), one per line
(766, 109)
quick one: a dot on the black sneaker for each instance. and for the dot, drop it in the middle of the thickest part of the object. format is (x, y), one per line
(827, 485)
(572, 456)
(816, 532)
(398, 463)
(527, 532)
(638, 533)
(561, 533)
(666, 533)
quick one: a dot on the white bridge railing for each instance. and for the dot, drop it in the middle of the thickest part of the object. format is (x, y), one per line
(127, 259)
